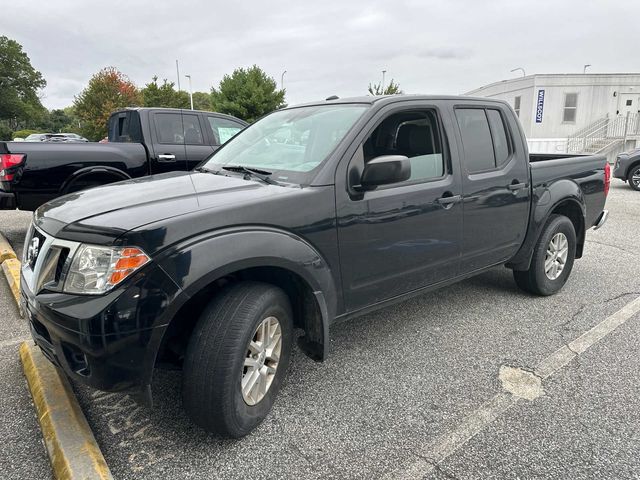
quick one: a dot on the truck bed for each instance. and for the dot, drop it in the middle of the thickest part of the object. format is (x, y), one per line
(584, 171)
(47, 166)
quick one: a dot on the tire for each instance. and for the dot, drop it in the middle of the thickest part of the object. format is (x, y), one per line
(214, 367)
(536, 280)
(634, 172)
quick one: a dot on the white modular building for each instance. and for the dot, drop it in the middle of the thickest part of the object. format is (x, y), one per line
(574, 113)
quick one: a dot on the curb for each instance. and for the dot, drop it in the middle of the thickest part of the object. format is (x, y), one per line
(11, 268)
(6, 251)
(72, 448)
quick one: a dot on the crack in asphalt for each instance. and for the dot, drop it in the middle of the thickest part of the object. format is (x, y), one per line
(622, 249)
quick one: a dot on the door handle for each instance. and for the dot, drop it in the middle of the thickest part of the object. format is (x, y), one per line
(516, 186)
(166, 157)
(448, 201)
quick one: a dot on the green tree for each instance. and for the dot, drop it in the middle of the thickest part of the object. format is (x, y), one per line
(108, 90)
(247, 94)
(202, 101)
(19, 85)
(391, 89)
(164, 95)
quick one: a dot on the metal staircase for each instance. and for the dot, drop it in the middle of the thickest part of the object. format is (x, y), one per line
(603, 133)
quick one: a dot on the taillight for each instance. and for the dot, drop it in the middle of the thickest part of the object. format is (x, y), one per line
(607, 178)
(8, 162)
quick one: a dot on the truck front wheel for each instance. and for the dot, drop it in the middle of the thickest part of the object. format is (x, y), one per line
(237, 357)
(552, 259)
(634, 178)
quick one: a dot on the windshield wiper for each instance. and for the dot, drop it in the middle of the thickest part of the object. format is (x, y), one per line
(252, 172)
(204, 170)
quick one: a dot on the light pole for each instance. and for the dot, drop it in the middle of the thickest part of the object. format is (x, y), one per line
(282, 80)
(524, 74)
(383, 74)
(190, 91)
(584, 69)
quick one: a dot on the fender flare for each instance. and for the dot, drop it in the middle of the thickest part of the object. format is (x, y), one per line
(549, 197)
(223, 252)
(83, 172)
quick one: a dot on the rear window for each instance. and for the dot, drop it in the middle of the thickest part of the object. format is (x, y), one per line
(124, 127)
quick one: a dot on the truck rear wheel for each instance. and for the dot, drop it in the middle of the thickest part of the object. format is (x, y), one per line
(634, 178)
(237, 357)
(552, 259)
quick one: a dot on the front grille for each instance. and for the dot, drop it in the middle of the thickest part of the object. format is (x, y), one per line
(46, 260)
(35, 247)
(62, 258)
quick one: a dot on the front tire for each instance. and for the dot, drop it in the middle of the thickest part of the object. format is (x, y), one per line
(237, 357)
(552, 259)
(634, 178)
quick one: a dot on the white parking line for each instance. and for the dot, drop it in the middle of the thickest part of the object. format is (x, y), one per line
(432, 454)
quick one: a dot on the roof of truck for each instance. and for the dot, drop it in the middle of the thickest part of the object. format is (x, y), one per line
(370, 99)
(185, 110)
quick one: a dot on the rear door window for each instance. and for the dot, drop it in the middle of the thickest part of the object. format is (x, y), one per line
(476, 139)
(169, 128)
(499, 134)
(223, 128)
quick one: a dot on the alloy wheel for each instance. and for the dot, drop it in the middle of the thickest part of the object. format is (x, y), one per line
(556, 257)
(261, 360)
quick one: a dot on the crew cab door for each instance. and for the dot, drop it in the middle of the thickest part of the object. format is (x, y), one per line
(167, 133)
(404, 236)
(197, 142)
(495, 186)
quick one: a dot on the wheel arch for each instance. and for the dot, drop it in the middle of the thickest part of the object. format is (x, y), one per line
(277, 258)
(563, 198)
(102, 170)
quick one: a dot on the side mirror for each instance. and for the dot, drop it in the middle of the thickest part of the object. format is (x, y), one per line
(384, 170)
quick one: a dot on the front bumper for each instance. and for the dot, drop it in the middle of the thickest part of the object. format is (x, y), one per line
(108, 342)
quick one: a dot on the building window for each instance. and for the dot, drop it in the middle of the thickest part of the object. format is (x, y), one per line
(570, 107)
(629, 103)
(516, 106)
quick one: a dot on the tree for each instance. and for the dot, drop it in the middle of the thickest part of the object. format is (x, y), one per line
(108, 90)
(201, 101)
(19, 85)
(164, 95)
(247, 94)
(391, 89)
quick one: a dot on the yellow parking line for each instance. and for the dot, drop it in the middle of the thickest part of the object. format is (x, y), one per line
(72, 448)
(11, 269)
(6, 251)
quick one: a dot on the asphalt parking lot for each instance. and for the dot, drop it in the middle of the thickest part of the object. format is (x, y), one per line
(400, 387)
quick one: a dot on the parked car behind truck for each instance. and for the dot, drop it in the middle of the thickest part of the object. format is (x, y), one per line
(314, 213)
(627, 168)
(142, 141)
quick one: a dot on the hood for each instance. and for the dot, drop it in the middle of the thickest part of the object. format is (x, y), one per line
(103, 213)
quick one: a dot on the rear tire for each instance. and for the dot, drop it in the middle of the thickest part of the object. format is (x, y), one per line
(634, 178)
(224, 349)
(552, 259)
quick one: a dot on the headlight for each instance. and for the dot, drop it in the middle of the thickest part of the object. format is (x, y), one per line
(95, 270)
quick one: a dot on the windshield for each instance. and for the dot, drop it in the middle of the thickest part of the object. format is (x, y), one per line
(291, 142)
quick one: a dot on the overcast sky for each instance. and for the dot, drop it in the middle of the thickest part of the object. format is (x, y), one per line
(327, 47)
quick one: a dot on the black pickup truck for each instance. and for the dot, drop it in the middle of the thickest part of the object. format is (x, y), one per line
(314, 213)
(142, 141)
